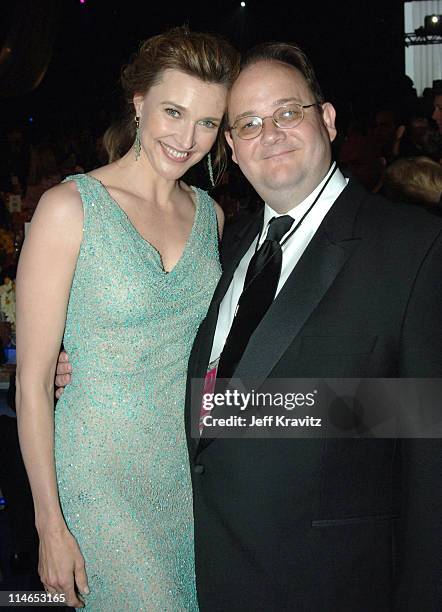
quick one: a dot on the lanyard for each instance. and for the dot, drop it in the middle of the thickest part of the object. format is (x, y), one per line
(297, 226)
(305, 214)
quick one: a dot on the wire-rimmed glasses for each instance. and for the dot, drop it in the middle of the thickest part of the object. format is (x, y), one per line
(285, 117)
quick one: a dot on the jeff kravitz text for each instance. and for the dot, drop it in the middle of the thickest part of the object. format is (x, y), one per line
(243, 401)
(266, 421)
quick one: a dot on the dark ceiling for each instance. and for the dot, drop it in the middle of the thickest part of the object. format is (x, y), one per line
(356, 47)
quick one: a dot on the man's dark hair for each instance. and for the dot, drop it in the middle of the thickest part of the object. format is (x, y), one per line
(287, 54)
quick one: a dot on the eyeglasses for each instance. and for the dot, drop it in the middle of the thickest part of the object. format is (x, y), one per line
(285, 117)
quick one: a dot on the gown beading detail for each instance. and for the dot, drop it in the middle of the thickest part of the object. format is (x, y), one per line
(120, 447)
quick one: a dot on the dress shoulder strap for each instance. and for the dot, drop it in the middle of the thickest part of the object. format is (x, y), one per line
(91, 194)
(207, 221)
(205, 202)
(88, 186)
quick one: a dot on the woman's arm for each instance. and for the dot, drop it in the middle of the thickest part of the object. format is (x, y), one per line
(44, 278)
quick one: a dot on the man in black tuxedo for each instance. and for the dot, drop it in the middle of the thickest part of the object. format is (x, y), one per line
(316, 525)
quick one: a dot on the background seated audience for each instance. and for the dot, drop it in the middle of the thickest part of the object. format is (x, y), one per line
(415, 180)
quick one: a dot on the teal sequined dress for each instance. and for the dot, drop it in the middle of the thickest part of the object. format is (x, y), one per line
(120, 447)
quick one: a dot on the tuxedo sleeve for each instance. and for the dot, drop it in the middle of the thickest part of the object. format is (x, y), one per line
(418, 539)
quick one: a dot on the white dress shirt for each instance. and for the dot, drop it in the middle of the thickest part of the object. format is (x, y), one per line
(291, 250)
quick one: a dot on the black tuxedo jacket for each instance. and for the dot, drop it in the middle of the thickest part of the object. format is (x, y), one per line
(329, 525)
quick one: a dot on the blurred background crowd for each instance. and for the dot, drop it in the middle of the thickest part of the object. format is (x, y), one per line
(396, 150)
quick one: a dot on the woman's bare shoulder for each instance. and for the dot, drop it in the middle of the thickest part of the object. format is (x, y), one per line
(60, 205)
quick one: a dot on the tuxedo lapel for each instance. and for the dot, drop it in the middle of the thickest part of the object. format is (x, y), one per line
(331, 247)
(232, 253)
(233, 249)
(301, 294)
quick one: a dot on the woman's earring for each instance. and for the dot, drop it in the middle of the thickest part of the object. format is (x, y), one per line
(137, 143)
(210, 169)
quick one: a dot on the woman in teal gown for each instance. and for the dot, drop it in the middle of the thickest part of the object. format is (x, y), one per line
(121, 265)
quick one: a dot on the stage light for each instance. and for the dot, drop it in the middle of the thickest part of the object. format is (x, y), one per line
(433, 24)
(243, 4)
(31, 119)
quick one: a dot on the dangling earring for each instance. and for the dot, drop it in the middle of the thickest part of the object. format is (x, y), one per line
(210, 169)
(137, 143)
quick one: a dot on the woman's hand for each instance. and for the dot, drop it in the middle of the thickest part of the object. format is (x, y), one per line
(63, 374)
(61, 565)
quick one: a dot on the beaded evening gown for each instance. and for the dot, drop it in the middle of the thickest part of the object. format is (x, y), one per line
(120, 447)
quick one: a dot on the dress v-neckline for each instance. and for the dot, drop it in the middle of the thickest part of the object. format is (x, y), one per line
(144, 240)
